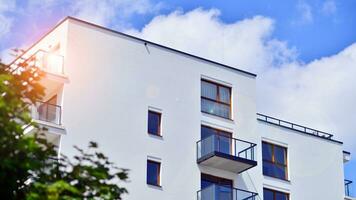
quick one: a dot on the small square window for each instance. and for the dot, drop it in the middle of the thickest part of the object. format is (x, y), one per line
(153, 173)
(154, 123)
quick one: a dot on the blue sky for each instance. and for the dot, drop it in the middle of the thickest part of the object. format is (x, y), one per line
(316, 28)
(305, 44)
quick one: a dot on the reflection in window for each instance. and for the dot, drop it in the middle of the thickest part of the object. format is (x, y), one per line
(274, 161)
(215, 140)
(153, 173)
(215, 99)
(154, 123)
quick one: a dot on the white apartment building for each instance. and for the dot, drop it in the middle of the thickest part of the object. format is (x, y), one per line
(186, 127)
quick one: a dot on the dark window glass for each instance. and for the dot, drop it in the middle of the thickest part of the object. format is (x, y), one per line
(224, 94)
(274, 160)
(222, 189)
(154, 123)
(279, 153)
(153, 172)
(215, 99)
(207, 180)
(209, 90)
(207, 132)
(269, 194)
(268, 168)
(281, 196)
(215, 140)
(280, 171)
(267, 151)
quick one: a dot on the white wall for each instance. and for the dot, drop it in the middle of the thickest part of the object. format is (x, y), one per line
(113, 82)
(315, 166)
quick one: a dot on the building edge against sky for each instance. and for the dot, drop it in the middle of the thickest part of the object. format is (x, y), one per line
(204, 135)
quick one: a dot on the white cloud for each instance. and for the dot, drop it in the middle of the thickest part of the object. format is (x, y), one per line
(5, 21)
(305, 11)
(329, 7)
(319, 94)
(5, 25)
(244, 43)
(6, 5)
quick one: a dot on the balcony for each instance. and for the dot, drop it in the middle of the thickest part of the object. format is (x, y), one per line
(218, 192)
(226, 153)
(47, 112)
(348, 189)
(51, 64)
(48, 117)
(47, 61)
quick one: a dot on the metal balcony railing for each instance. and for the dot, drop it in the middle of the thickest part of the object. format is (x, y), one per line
(293, 126)
(226, 145)
(347, 187)
(47, 61)
(47, 112)
(219, 192)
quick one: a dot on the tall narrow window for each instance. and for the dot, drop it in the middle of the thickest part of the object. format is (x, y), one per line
(154, 123)
(274, 161)
(215, 99)
(153, 173)
(269, 194)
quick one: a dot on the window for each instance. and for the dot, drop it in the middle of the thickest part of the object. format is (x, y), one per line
(269, 194)
(215, 99)
(206, 180)
(215, 140)
(223, 187)
(153, 173)
(154, 123)
(274, 161)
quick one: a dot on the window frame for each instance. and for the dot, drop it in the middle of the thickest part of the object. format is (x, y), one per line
(220, 134)
(158, 184)
(275, 192)
(274, 162)
(159, 134)
(217, 180)
(218, 98)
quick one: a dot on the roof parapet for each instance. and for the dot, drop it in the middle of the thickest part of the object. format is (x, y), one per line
(297, 127)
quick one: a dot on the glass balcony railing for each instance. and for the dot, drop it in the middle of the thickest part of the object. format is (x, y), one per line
(47, 112)
(347, 187)
(226, 153)
(218, 192)
(47, 61)
(225, 145)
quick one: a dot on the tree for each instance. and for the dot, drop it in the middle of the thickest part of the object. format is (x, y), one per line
(29, 168)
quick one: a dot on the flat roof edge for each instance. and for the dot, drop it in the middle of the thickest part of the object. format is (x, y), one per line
(282, 124)
(41, 38)
(159, 45)
(346, 152)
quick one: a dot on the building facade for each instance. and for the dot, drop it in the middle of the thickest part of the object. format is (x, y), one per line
(186, 127)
